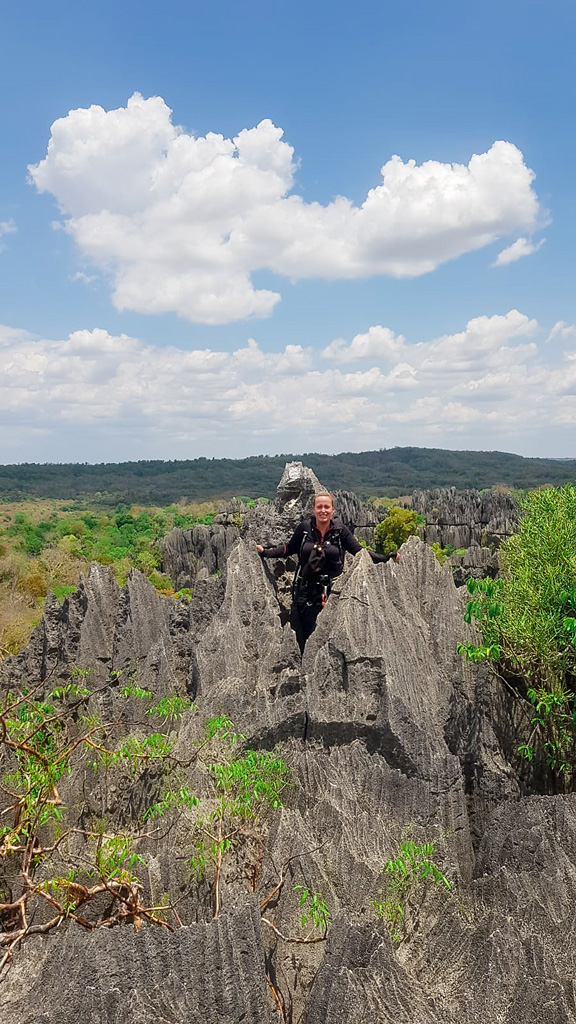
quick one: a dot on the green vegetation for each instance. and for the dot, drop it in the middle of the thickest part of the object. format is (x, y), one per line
(61, 865)
(443, 554)
(127, 536)
(527, 620)
(407, 877)
(394, 530)
(45, 546)
(391, 472)
(239, 790)
(226, 827)
(244, 789)
(314, 910)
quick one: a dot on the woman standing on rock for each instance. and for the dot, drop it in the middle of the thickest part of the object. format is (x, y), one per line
(320, 541)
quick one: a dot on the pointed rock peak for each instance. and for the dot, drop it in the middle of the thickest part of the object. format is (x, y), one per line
(298, 485)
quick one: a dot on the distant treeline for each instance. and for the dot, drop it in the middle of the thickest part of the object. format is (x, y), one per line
(389, 472)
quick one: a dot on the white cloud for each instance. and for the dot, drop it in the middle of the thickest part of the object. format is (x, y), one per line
(14, 335)
(378, 343)
(521, 247)
(562, 332)
(7, 227)
(181, 223)
(486, 340)
(95, 396)
(85, 278)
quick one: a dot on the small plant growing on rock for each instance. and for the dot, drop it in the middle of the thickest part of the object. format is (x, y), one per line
(313, 909)
(442, 554)
(407, 877)
(244, 789)
(56, 867)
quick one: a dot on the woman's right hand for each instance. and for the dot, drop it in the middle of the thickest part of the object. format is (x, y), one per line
(259, 549)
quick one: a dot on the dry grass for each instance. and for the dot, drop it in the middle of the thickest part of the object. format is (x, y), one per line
(25, 580)
(18, 617)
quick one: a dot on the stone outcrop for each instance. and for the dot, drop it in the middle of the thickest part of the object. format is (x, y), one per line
(204, 550)
(460, 519)
(201, 550)
(473, 523)
(388, 732)
(297, 487)
(476, 562)
(205, 974)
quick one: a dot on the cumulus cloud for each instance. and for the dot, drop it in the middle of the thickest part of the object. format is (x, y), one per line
(483, 344)
(378, 343)
(98, 396)
(521, 247)
(181, 223)
(14, 335)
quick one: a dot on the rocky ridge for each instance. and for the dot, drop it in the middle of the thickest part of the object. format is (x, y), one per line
(471, 522)
(386, 729)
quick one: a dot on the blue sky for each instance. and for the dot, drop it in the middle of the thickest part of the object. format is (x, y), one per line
(178, 276)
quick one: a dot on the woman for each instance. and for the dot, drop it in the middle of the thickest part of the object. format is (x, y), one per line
(320, 542)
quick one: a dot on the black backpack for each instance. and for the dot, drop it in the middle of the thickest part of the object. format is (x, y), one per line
(311, 570)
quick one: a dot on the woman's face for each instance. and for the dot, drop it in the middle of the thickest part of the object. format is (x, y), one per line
(323, 510)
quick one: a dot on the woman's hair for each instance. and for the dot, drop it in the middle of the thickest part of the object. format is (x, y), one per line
(323, 494)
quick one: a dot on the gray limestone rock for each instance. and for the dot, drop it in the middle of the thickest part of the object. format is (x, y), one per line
(205, 549)
(103, 629)
(202, 974)
(462, 518)
(298, 485)
(186, 552)
(476, 562)
(388, 734)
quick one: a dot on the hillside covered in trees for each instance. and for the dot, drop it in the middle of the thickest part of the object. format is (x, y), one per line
(389, 472)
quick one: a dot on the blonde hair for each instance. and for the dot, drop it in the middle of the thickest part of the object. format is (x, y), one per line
(322, 494)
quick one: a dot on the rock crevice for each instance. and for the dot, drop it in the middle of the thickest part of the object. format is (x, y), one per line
(388, 733)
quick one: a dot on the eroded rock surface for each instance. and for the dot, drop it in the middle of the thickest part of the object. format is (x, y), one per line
(463, 518)
(205, 974)
(186, 552)
(388, 732)
(471, 522)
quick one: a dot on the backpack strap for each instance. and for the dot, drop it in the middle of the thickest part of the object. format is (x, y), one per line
(338, 526)
(306, 523)
(307, 532)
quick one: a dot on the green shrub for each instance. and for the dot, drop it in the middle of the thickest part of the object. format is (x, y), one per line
(62, 592)
(394, 530)
(527, 618)
(440, 552)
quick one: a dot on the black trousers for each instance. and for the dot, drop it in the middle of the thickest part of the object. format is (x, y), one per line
(306, 607)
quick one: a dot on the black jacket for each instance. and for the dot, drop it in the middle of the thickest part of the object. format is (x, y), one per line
(337, 540)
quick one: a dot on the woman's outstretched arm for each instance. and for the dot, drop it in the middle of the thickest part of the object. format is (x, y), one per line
(283, 550)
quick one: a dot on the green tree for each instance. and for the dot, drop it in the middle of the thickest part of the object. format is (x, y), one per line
(527, 619)
(394, 530)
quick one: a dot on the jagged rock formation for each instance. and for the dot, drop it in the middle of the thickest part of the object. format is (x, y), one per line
(185, 553)
(464, 518)
(476, 562)
(469, 521)
(204, 550)
(385, 728)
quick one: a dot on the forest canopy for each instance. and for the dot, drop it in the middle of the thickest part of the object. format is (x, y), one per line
(386, 472)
